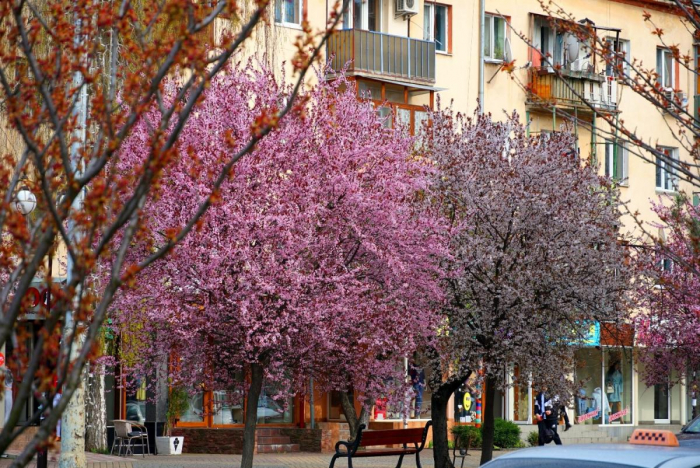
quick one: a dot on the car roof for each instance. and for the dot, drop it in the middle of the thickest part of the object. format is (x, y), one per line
(627, 454)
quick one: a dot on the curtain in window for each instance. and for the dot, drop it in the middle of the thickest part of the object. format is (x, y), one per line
(428, 23)
(487, 36)
(499, 41)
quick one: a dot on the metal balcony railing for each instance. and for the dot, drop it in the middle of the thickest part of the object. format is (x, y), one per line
(574, 91)
(382, 55)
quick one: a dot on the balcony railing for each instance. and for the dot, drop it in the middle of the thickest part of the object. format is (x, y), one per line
(382, 55)
(573, 91)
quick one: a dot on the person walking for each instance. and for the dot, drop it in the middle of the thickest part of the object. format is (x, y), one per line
(547, 418)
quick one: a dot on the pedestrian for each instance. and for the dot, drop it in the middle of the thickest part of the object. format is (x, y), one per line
(547, 413)
(417, 375)
(562, 412)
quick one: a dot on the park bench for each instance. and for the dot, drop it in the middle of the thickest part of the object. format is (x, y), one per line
(414, 437)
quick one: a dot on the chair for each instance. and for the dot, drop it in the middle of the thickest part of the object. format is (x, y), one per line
(461, 450)
(130, 431)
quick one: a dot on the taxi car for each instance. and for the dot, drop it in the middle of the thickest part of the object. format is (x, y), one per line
(647, 448)
(690, 434)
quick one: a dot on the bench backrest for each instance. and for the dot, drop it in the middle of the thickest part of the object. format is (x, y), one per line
(392, 437)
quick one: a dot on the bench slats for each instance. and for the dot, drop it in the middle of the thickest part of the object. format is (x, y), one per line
(391, 437)
(381, 452)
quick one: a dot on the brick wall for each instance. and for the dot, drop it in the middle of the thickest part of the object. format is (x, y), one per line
(201, 440)
(309, 440)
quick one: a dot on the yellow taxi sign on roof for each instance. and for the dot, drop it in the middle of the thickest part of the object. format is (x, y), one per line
(659, 437)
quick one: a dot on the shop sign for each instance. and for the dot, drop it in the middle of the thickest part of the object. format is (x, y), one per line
(591, 415)
(588, 333)
(618, 415)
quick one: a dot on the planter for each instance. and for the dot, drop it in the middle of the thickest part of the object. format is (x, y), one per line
(169, 445)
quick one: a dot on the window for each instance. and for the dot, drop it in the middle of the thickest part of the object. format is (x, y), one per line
(617, 62)
(494, 37)
(665, 68)
(288, 12)
(666, 178)
(436, 26)
(616, 161)
(366, 14)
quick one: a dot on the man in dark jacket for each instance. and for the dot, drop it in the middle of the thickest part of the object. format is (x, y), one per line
(547, 418)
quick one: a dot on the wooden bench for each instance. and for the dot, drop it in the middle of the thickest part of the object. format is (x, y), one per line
(415, 437)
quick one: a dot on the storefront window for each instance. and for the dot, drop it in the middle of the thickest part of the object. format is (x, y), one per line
(618, 384)
(335, 408)
(465, 401)
(592, 406)
(521, 396)
(195, 412)
(227, 407)
(272, 410)
(136, 401)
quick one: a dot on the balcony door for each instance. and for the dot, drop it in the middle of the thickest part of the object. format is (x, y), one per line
(366, 14)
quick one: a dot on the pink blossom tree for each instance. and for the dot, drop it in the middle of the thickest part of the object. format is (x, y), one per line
(318, 258)
(535, 254)
(668, 291)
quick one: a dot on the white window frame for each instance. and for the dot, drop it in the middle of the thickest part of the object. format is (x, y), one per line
(622, 159)
(662, 75)
(429, 35)
(624, 48)
(492, 38)
(283, 21)
(669, 178)
(349, 20)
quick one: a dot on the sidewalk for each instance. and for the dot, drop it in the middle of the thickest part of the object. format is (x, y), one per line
(288, 460)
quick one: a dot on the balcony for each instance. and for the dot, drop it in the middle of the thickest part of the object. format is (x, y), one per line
(382, 56)
(573, 91)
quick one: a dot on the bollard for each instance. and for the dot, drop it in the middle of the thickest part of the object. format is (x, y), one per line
(42, 458)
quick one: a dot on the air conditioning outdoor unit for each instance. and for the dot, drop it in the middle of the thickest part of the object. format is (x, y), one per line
(406, 7)
(675, 98)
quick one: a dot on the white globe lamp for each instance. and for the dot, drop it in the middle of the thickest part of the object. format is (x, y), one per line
(25, 201)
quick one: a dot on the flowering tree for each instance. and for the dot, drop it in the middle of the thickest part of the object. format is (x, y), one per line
(535, 255)
(75, 78)
(318, 258)
(668, 291)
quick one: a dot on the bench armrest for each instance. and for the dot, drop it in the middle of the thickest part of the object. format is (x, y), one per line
(348, 447)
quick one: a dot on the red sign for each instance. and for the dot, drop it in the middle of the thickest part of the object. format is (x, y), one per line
(2, 359)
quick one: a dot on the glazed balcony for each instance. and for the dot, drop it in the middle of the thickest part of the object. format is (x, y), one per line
(382, 56)
(572, 90)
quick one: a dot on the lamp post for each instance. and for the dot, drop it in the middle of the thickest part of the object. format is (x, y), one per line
(25, 203)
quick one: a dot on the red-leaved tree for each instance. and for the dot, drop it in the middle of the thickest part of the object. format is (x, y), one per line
(319, 257)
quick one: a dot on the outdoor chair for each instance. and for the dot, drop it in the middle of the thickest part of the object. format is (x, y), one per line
(126, 433)
(461, 449)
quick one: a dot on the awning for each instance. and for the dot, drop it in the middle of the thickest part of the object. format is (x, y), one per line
(400, 83)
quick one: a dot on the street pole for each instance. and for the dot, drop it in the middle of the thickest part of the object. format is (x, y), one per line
(73, 418)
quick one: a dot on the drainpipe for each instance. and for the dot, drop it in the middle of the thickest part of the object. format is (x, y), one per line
(482, 27)
(311, 403)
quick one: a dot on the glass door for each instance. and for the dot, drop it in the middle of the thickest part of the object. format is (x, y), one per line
(662, 404)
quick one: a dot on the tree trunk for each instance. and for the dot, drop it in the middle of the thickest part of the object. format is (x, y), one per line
(488, 428)
(95, 412)
(251, 415)
(348, 405)
(438, 413)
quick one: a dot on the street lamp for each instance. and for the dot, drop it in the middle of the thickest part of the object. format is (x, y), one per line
(25, 201)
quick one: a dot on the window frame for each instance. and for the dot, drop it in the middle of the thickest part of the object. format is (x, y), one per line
(349, 17)
(283, 22)
(622, 50)
(430, 34)
(661, 52)
(669, 178)
(621, 159)
(492, 18)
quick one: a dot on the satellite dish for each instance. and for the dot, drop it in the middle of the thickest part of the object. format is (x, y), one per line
(507, 52)
(572, 46)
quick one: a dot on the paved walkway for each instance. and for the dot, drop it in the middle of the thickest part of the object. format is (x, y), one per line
(288, 460)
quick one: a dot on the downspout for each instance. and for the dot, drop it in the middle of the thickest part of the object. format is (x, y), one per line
(482, 27)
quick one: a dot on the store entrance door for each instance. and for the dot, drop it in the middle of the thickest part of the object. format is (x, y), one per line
(662, 404)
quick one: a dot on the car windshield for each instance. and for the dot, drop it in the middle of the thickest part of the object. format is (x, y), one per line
(553, 463)
(693, 427)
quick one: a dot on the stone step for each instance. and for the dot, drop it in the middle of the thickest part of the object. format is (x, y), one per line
(278, 448)
(273, 440)
(269, 432)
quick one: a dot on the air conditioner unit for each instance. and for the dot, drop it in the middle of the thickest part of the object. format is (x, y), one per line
(406, 7)
(673, 98)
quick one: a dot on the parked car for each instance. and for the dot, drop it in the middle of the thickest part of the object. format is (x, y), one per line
(690, 434)
(631, 455)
